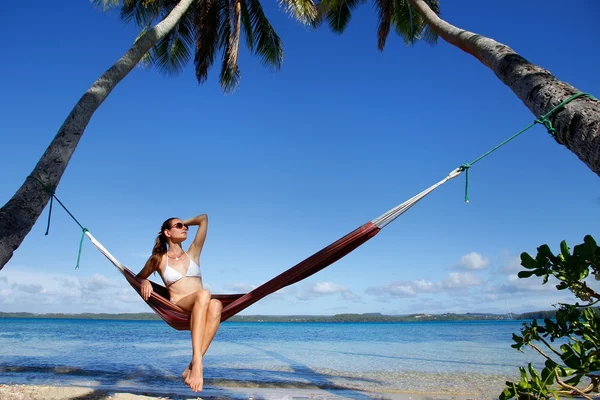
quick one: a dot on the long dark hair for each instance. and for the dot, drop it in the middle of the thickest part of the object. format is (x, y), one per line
(160, 246)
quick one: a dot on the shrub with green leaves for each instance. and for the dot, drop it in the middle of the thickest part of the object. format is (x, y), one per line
(573, 367)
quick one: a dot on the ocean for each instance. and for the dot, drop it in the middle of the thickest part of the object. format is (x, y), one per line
(464, 358)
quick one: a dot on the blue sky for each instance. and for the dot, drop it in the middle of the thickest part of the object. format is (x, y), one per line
(296, 158)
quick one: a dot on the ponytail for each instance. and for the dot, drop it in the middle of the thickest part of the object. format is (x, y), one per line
(160, 247)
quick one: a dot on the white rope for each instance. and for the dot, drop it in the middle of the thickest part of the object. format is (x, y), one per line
(112, 259)
(395, 212)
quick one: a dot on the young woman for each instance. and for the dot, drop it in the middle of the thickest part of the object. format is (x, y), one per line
(180, 272)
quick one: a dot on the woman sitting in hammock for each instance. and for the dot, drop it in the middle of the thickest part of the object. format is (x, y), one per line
(180, 272)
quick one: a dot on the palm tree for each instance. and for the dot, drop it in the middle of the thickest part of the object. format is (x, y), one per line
(184, 27)
(577, 126)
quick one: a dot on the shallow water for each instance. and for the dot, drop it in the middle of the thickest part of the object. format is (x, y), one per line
(434, 357)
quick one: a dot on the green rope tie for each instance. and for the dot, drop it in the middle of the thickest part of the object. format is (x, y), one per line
(541, 120)
(83, 231)
(52, 197)
(51, 192)
(465, 167)
(544, 118)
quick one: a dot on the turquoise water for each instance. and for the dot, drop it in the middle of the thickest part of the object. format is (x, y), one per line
(440, 357)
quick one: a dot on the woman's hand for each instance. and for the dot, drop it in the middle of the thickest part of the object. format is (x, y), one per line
(146, 290)
(197, 220)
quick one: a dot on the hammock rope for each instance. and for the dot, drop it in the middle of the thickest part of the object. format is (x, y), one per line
(234, 303)
(543, 120)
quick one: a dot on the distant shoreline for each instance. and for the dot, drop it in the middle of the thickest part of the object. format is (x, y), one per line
(370, 317)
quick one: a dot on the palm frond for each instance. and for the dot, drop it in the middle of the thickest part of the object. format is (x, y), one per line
(266, 42)
(142, 12)
(229, 40)
(429, 36)
(319, 17)
(339, 12)
(207, 19)
(386, 11)
(105, 5)
(407, 22)
(171, 53)
(174, 51)
(247, 25)
(147, 59)
(305, 11)
(230, 75)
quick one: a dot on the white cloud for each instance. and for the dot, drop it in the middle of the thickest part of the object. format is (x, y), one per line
(33, 288)
(97, 283)
(422, 285)
(453, 283)
(327, 288)
(404, 289)
(320, 289)
(68, 294)
(6, 296)
(3, 279)
(472, 261)
(395, 289)
(460, 280)
(240, 287)
(512, 265)
(514, 285)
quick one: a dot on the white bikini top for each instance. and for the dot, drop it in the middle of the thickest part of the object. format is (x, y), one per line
(170, 276)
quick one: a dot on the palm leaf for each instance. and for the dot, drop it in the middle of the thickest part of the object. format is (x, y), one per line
(142, 12)
(429, 35)
(229, 40)
(304, 11)
(339, 12)
(247, 25)
(266, 42)
(407, 23)
(207, 18)
(172, 53)
(386, 11)
(105, 4)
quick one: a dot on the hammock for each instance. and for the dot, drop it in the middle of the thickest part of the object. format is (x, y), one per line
(179, 319)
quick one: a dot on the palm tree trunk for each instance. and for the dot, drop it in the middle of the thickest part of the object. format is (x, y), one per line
(18, 216)
(577, 126)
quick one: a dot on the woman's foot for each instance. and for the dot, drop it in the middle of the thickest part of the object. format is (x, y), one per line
(186, 372)
(195, 379)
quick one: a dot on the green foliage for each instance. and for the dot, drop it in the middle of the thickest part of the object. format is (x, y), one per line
(571, 369)
(399, 14)
(208, 28)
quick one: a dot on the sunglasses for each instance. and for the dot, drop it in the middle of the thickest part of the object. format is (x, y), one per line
(179, 225)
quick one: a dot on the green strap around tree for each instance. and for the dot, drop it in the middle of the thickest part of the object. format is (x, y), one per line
(52, 197)
(541, 120)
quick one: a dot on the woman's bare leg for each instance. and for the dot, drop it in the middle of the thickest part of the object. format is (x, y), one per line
(213, 320)
(198, 304)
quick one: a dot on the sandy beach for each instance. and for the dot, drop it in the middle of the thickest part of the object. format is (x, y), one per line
(30, 392)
